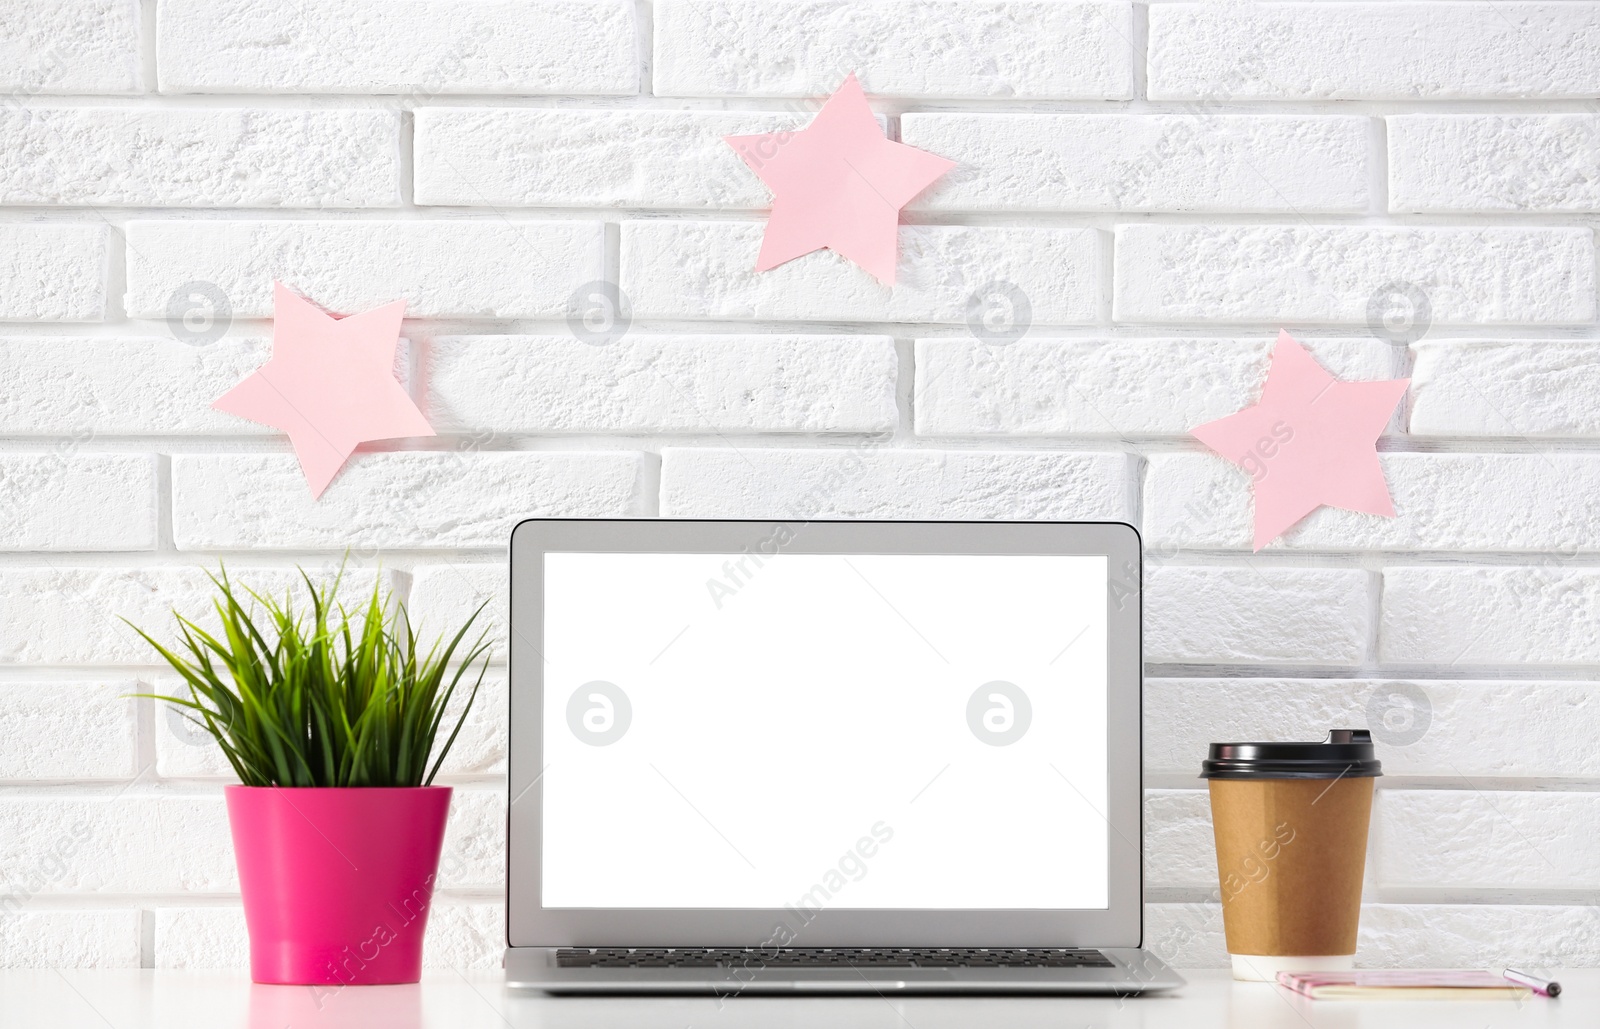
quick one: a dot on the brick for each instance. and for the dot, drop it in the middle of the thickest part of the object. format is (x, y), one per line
(1533, 389)
(707, 270)
(1107, 387)
(642, 384)
(474, 854)
(882, 483)
(422, 48)
(1478, 935)
(1530, 839)
(58, 501)
(1189, 162)
(67, 729)
(1179, 850)
(1431, 727)
(1374, 51)
(85, 387)
(200, 157)
(70, 939)
(70, 46)
(470, 269)
(1444, 502)
(530, 157)
(116, 844)
(1494, 162)
(184, 750)
(410, 499)
(1186, 935)
(201, 937)
(462, 935)
(1259, 613)
(53, 272)
(480, 749)
(1021, 49)
(65, 614)
(467, 935)
(1532, 614)
(443, 596)
(1401, 936)
(1500, 275)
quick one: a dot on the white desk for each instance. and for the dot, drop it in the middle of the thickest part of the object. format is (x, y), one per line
(69, 999)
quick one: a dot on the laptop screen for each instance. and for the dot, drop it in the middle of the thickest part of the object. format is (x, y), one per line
(885, 731)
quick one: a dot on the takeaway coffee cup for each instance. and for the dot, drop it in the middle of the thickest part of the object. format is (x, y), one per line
(1291, 828)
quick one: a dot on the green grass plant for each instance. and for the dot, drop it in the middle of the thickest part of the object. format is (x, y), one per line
(325, 697)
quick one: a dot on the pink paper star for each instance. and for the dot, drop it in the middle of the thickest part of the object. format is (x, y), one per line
(330, 384)
(838, 183)
(1312, 440)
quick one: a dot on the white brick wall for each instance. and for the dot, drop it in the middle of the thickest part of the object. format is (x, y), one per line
(706, 482)
(1534, 615)
(71, 46)
(200, 157)
(1033, 49)
(1096, 387)
(1377, 51)
(1466, 721)
(531, 157)
(1073, 162)
(1255, 613)
(1157, 212)
(688, 269)
(53, 271)
(473, 269)
(85, 387)
(1234, 273)
(446, 595)
(393, 500)
(660, 383)
(61, 729)
(1516, 389)
(1476, 162)
(1545, 502)
(57, 501)
(425, 47)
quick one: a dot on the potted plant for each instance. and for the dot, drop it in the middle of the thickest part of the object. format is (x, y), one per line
(329, 719)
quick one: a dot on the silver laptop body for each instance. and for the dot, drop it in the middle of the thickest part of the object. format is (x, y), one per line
(757, 756)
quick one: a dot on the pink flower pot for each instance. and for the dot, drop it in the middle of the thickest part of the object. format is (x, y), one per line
(337, 883)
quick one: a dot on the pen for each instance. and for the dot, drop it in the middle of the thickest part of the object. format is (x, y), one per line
(1546, 987)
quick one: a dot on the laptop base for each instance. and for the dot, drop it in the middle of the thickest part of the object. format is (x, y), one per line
(1131, 971)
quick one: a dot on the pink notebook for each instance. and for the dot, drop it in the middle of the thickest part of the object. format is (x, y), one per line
(1403, 984)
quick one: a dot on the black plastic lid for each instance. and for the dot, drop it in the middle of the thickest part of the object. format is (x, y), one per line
(1345, 754)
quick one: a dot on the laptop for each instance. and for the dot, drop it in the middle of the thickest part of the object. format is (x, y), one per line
(768, 757)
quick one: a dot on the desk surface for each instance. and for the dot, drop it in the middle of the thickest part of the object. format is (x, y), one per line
(68, 999)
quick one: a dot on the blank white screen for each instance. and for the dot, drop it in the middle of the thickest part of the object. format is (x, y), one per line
(786, 717)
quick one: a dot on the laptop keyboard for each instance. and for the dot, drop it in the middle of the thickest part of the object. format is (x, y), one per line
(826, 957)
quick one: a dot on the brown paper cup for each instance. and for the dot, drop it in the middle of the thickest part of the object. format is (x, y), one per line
(1291, 853)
